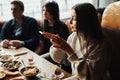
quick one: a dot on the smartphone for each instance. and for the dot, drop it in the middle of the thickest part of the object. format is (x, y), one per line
(47, 35)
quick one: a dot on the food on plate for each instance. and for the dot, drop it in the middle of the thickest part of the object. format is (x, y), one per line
(29, 71)
(12, 65)
(48, 35)
(5, 58)
(2, 75)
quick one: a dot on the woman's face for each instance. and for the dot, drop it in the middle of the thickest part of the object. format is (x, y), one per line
(46, 14)
(73, 24)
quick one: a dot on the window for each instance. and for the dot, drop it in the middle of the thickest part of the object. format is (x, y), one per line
(33, 8)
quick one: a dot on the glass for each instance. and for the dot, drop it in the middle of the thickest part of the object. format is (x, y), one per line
(30, 59)
(57, 71)
(57, 74)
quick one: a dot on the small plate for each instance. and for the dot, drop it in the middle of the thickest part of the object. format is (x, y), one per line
(12, 65)
(6, 57)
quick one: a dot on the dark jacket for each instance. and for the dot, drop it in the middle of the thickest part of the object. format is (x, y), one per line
(28, 32)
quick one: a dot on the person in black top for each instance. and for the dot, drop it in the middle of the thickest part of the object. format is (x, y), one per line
(52, 24)
(21, 30)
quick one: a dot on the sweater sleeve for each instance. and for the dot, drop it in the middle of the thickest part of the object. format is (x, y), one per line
(59, 56)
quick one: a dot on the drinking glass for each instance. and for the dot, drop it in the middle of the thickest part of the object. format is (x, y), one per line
(31, 59)
(57, 73)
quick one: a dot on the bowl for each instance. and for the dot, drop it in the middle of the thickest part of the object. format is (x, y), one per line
(6, 57)
(2, 75)
(12, 65)
(29, 71)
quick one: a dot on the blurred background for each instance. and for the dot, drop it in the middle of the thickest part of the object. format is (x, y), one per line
(33, 7)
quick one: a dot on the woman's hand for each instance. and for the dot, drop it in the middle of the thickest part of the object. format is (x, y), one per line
(58, 42)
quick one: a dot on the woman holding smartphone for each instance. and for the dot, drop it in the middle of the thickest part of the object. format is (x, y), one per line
(87, 48)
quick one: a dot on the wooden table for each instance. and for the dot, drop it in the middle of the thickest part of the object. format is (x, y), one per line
(44, 65)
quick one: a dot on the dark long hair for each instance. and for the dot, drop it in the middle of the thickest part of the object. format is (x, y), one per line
(53, 8)
(87, 21)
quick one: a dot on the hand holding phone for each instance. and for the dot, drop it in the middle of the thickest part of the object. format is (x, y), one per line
(48, 35)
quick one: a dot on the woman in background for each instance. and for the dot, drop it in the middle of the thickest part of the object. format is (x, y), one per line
(87, 47)
(51, 24)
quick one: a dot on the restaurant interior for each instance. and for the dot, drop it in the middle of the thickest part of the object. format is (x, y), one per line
(18, 61)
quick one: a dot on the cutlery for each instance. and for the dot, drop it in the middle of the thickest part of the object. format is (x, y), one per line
(24, 65)
(16, 58)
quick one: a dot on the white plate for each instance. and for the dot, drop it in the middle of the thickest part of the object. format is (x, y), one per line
(6, 57)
